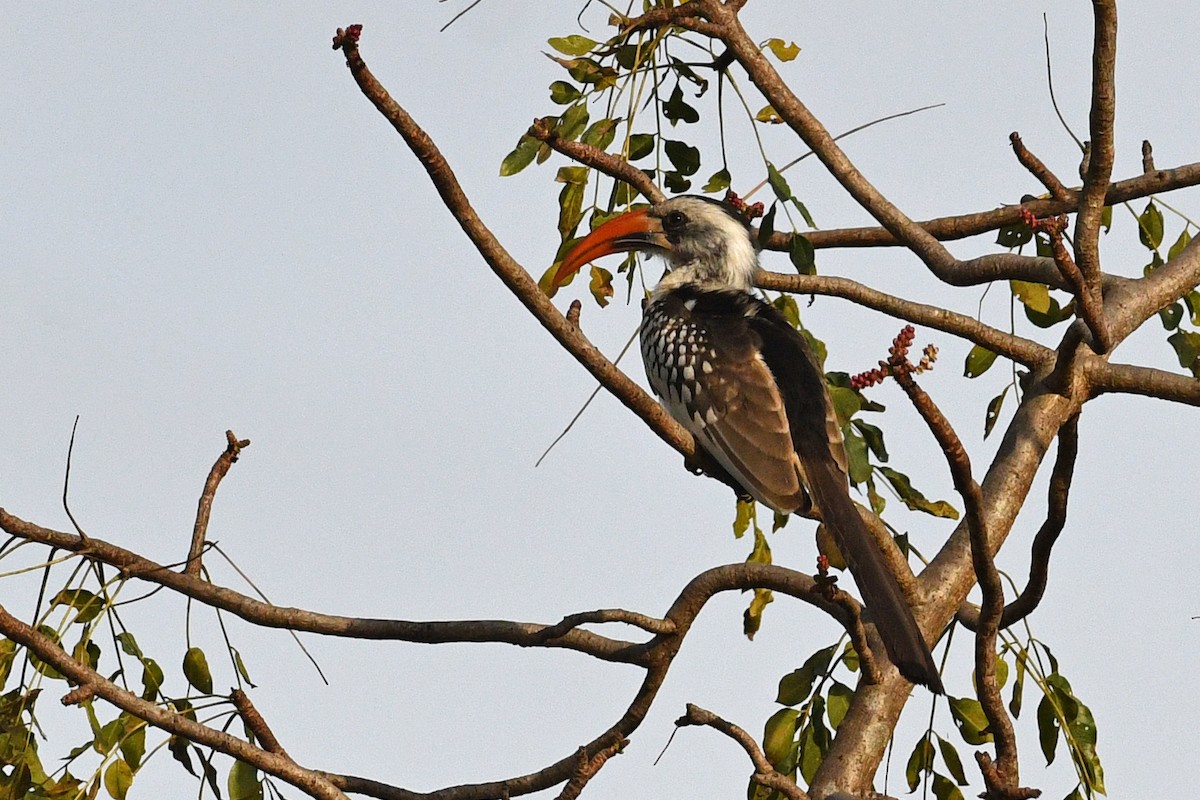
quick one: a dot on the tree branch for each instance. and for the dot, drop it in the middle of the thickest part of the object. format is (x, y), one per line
(1043, 542)
(511, 273)
(597, 159)
(764, 772)
(1132, 379)
(219, 469)
(310, 782)
(1023, 351)
(1039, 170)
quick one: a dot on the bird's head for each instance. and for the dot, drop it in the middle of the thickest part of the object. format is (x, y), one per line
(702, 241)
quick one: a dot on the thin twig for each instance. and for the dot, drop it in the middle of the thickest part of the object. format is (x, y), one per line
(220, 469)
(764, 773)
(255, 722)
(1038, 169)
(67, 484)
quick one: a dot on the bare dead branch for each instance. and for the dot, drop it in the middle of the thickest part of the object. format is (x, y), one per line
(308, 781)
(220, 469)
(1039, 170)
(1147, 156)
(764, 773)
(255, 722)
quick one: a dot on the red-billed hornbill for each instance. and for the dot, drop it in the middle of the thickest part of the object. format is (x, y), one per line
(732, 370)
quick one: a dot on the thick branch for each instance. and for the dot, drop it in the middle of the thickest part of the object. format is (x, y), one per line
(310, 782)
(524, 634)
(1100, 151)
(1147, 381)
(962, 226)
(1021, 350)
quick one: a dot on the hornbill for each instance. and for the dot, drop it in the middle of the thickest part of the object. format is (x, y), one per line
(732, 370)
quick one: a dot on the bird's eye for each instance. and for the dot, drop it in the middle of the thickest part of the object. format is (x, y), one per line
(674, 222)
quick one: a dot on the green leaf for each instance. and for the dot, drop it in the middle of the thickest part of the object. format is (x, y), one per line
(87, 604)
(718, 182)
(243, 782)
(779, 739)
(573, 45)
(944, 788)
(570, 203)
(953, 762)
(1150, 226)
(1014, 235)
(786, 305)
(521, 156)
(769, 115)
(919, 763)
(677, 110)
(133, 742)
(601, 285)
(767, 226)
(195, 669)
(803, 209)
(179, 751)
(600, 134)
(1187, 349)
(676, 182)
(563, 93)
(968, 715)
(1001, 672)
(1171, 316)
(784, 51)
(42, 666)
(1035, 296)
(117, 779)
(796, 686)
(640, 146)
(913, 498)
(856, 456)
(745, 515)
(108, 736)
(1047, 721)
(993, 411)
(778, 183)
(752, 618)
(850, 657)
(129, 645)
(87, 653)
(838, 703)
(1018, 690)
(802, 255)
(873, 436)
(1106, 218)
(241, 667)
(811, 754)
(572, 122)
(8, 654)
(846, 403)
(979, 360)
(152, 678)
(1053, 316)
(1183, 241)
(684, 157)
(1192, 301)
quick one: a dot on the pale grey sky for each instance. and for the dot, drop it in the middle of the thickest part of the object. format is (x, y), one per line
(206, 226)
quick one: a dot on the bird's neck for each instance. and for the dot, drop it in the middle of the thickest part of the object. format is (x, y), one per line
(730, 266)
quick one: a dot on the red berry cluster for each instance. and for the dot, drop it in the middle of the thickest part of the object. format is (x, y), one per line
(749, 211)
(899, 356)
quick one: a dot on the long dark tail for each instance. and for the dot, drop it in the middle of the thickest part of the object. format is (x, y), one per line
(881, 593)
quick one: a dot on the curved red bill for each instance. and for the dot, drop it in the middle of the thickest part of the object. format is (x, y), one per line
(635, 230)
